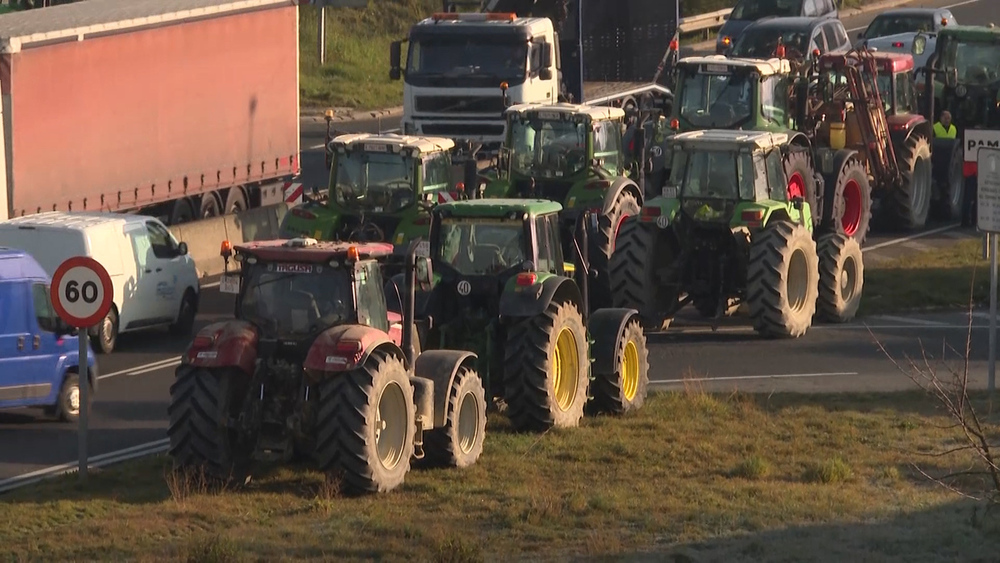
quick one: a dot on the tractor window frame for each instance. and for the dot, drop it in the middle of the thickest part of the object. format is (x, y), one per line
(608, 144)
(904, 94)
(370, 295)
(547, 251)
(776, 181)
(774, 93)
(762, 189)
(436, 172)
(745, 170)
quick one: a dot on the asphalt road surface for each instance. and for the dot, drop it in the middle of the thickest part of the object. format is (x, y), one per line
(130, 407)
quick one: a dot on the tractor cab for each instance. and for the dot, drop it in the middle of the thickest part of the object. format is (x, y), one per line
(893, 78)
(381, 188)
(716, 92)
(293, 290)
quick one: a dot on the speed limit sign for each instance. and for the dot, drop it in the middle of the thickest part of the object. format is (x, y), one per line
(81, 291)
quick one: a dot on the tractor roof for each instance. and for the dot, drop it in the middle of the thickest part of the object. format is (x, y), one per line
(973, 33)
(497, 207)
(391, 142)
(311, 250)
(884, 60)
(595, 113)
(766, 67)
(731, 139)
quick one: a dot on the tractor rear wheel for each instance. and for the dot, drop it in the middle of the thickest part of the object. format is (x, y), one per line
(365, 425)
(201, 402)
(624, 390)
(602, 251)
(850, 211)
(783, 280)
(841, 278)
(633, 278)
(547, 369)
(801, 178)
(949, 206)
(459, 443)
(911, 203)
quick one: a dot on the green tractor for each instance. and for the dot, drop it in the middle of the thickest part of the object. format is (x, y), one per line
(572, 154)
(724, 234)
(501, 288)
(381, 188)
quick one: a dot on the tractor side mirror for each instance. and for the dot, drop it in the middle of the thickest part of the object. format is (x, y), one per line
(425, 272)
(395, 56)
(919, 45)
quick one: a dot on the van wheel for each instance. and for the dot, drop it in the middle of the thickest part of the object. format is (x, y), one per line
(106, 333)
(186, 315)
(68, 405)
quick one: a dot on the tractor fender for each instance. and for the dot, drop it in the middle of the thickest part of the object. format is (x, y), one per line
(224, 344)
(531, 300)
(902, 128)
(617, 187)
(343, 348)
(798, 139)
(441, 367)
(606, 327)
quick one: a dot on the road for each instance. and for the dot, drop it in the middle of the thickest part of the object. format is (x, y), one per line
(130, 408)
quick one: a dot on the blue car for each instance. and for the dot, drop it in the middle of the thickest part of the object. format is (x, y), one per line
(748, 11)
(39, 353)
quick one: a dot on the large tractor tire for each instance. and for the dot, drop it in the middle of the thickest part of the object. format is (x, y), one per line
(602, 248)
(200, 401)
(459, 443)
(801, 178)
(633, 278)
(911, 203)
(547, 369)
(841, 278)
(365, 424)
(624, 390)
(949, 206)
(850, 211)
(782, 280)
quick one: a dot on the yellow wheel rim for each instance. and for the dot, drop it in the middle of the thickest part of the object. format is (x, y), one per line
(630, 370)
(567, 369)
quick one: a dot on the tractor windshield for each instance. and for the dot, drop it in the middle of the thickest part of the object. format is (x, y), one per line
(718, 101)
(548, 148)
(373, 181)
(713, 174)
(977, 63)
(296, 300)
(479, 246)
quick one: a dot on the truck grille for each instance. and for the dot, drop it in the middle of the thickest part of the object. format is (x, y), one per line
(460, 104)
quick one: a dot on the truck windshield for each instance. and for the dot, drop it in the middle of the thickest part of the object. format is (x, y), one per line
(547, 148)
(480, 247)
(716, 100)
(380, 182)
(295, 300)
(977, 63)
(497, 58)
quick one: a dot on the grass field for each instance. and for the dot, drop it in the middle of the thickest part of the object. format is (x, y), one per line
(945, 278)
(691, 477)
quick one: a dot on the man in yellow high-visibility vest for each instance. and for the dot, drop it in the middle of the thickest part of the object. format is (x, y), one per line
(944, 128)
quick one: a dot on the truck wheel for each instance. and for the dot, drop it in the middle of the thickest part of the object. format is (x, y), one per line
(185, 315)
(547, 369)
(68, 405)
(624, 390)
(365, 425)
(783, 280)
(910, 204)
(236, 200)
(841, 278)
(105, 335)
(201, 403)
(602, 251)
(801, 178)
(851, 210)
(633, 281)
(210, 206)
(459, 443)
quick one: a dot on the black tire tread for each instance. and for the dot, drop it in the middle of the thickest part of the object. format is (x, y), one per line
(901, 206)
(604, 246)
(799, 159)
(608, 396)
(767, 286)
(441, 445)
(831, 249)
(853, 167)
(633, 281)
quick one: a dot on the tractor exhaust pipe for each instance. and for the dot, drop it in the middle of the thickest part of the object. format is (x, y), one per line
(409, 325)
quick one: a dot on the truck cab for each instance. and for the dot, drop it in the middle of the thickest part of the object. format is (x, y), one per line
(39, 353)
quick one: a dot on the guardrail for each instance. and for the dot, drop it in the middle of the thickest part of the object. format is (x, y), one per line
(703, 22)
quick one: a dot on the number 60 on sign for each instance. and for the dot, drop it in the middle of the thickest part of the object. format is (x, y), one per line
(81, 291)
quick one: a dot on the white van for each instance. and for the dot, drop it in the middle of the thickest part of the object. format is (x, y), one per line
(155, 281)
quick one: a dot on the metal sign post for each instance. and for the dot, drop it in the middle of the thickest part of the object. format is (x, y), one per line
(988, 221)
(321, 31)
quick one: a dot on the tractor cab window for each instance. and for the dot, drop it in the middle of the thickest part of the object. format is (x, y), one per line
(716, 100)
(371, 296)
(744, 167)
(776, 176)
(548, 148)
(762, 190)
(976, 63)
(373, 181)
(774, 99)
(295, 300)
(905, 95)
(480, 247)
(608, 144)
(711, 174)
(437, 173)
(549, 247)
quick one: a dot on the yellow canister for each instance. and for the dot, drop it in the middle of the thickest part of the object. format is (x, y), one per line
(838, 135)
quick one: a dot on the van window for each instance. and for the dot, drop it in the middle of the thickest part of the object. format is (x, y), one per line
(44, 311)
(141, 247)
(163, 243)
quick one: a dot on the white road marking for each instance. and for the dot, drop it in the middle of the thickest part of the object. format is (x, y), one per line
(144, 368)
(942, 7)
(909, 238)
(749, 377)
(141, 450)
(912, 321)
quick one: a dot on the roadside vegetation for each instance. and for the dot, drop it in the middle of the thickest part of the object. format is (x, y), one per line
(691, 477)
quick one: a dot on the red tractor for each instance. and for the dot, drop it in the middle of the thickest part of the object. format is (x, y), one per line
(869, 142)
(313, 365)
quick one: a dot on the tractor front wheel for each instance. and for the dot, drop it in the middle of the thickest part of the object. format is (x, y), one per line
(624, 389)
(801, 178)
(609, 227)
(366, 422)
(547, 369)
(641, 250)
(783, 280)
(459, 443)
(911, 204)
(850, 211)
(841, 278)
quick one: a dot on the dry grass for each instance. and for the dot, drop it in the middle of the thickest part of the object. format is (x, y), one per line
(935, 279)
(692, 474)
